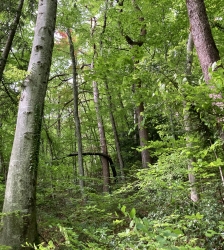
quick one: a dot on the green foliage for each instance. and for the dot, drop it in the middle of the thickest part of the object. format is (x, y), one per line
(145, 233)
(156, 210)
(42, 246)
(13, 74)
(5, 247)
(163, 218)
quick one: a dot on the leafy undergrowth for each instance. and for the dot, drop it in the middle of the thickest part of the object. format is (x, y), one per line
(136, 215)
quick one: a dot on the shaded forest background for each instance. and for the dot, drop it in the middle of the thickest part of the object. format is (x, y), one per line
(142, 166)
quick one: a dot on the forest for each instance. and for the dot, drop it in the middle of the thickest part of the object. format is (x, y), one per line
(111, 124)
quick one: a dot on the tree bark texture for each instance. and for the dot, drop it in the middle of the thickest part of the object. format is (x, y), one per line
(96, 99)
(19, 220)
(143, 136)
(76, 112)
(103, 143)
(202, 35)
(205, 46)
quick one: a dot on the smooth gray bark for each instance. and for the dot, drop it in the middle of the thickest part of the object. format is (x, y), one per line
(76, 112)
(103, 143)
(19, 220)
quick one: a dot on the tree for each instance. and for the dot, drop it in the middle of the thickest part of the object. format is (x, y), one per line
(188, 122)
(142, 129)
(202, 35)
(206, 49)
(114, 128)
(142, 82)
(102, 135)
(8, 45)
(103, 143)
(19, 209)
(3, 61)
(110, 104)
(76, 111)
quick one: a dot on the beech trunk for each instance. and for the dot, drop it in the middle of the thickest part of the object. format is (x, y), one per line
(19, 209)
(103, 143)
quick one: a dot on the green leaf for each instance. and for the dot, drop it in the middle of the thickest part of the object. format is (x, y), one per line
(123, 210)
(210, 233)
(132, 213)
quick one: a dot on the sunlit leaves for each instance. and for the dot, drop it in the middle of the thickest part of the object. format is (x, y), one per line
(13, 74)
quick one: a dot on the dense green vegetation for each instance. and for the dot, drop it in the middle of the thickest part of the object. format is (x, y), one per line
(145, 208)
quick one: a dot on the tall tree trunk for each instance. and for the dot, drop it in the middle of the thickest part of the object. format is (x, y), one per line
(103, 143)
(202, 35)
(187, 122)
(143, 132)
(143, 136)
(59, 118)
(19, 220)
(10, 38)
(76, 112)
(205, 47)
(3, 61)
(116, 137)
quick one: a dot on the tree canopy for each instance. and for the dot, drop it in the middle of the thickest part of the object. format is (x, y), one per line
(130, 150)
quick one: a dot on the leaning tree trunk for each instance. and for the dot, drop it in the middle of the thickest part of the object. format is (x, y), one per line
(205, 47)
(19, 220)
(202, 36)
(76, 113)
(8, 45)
(3, 60)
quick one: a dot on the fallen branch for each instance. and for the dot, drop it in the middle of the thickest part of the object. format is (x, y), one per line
(102, 155)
